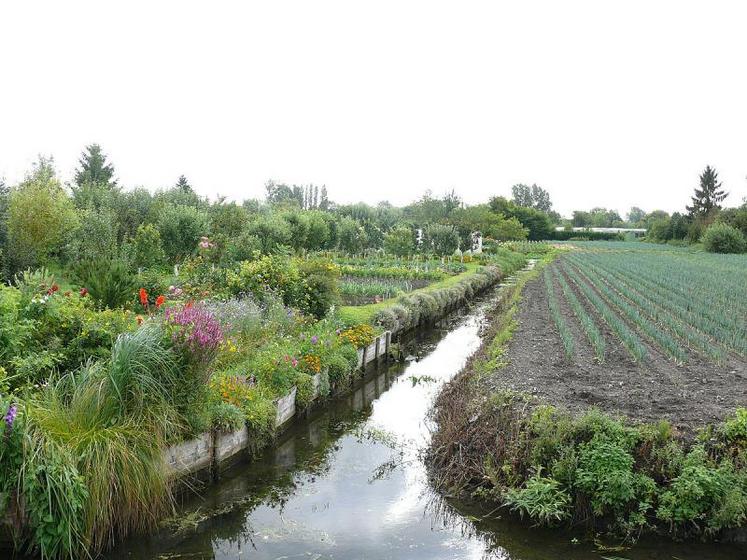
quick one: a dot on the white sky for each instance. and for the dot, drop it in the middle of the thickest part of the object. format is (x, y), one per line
(602, 105)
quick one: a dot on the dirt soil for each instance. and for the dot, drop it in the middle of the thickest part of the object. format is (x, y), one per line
(689, 395)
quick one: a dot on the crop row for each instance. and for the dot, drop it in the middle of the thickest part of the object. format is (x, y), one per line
(633, 314)
(724, 326)
(566, 336)
(657, 307)
(590, 328)
(392, 272)
(629, 339)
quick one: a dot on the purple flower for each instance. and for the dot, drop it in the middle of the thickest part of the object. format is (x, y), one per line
(314, 339)
(196, 331)
(10, 416)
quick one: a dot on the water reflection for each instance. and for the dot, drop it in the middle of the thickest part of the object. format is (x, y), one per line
(348, 483)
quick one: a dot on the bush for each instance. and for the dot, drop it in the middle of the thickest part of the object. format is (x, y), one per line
(723, 238)
(226, 417)
(441, 240)
(320, 284)
(108, 281)
(147, 249)
(180, 228)
(338, 366)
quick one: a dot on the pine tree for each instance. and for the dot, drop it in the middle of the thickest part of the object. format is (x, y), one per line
(183, 185)
(94, 169)
(709, 195)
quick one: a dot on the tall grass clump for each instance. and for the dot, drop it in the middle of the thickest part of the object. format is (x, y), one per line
(566, 336)
(104, 426)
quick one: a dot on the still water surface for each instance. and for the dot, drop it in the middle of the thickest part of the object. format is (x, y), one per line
(348, 483)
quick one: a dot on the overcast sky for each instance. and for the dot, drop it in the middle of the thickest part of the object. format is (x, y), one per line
(601, 105)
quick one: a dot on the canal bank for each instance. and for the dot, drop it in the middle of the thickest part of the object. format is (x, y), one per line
(348, 481)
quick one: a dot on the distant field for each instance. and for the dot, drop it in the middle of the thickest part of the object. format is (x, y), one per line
(649, 330)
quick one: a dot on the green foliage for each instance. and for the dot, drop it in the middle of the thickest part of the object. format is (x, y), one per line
(226, 417)
(441, 240)
(708, 196)
(272, 232)
(94, 237)
(351, 236)
(40, 216)
(181, 227)
(543, 500)
(399, 241)
(109, 282)
(147, 249)
(94, 169)
(723, 238)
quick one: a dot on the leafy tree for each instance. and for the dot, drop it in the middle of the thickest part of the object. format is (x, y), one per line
(94, 168)
(399, 241)
(278, 193)
(735, 217)
(635, 216)
(351, 236)
(227, 220)
(94, 237)
(481, 218)
(429, 210)
(147, 249)
(318, 233)
(4, 203)
(441, 239)
(299, 227)
(538, 223)
(709, 195)
(531, 197)
(272, 232)
(40, 215)
(133, 208)
(181, 228)
(95, 195)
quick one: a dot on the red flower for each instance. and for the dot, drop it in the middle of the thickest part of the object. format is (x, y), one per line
(160, 301)
(83, 292)
(143, 296)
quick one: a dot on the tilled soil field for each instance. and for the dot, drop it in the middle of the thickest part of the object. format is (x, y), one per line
(689, 395)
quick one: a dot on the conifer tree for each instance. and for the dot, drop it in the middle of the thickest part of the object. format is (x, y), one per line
(94, 169)
(709, 195)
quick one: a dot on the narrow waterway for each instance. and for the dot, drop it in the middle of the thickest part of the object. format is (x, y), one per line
(348, 483)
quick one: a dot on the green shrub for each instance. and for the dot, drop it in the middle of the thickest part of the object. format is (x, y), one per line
(338, 366)
(542, 499)
(180, 228)
(147, 249)
(723, 238)
(108, 281)
(226, 417)
(319, 279)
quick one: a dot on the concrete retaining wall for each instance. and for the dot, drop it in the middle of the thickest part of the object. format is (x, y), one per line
(209, 450)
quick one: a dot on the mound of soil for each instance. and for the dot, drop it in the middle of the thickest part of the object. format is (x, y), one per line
(689, 395)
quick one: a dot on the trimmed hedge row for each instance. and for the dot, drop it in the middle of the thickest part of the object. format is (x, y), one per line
(419, 307)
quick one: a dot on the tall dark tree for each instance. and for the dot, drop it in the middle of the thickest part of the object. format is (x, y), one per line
(94, 168)
(709, 195)
(183, 185)
(323, 200)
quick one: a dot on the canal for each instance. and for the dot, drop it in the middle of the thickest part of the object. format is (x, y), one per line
(348, 482)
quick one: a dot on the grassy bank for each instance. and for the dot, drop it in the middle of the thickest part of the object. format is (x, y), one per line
(556, 468)
(478, 275)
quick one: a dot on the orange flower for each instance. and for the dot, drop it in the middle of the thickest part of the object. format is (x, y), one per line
(160, 301)
(143, 296)
(139, 320)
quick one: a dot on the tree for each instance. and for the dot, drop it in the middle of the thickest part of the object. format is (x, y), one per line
(147, 248)
(635, 216)
(183, 185)
(441, 239)
(180, 228)
(531, 197)
(399, 241)
(94, 168)
(40, 215)
(351, 237)
(323, 200)
(480, 218)
(538, 223)
(708, 196)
